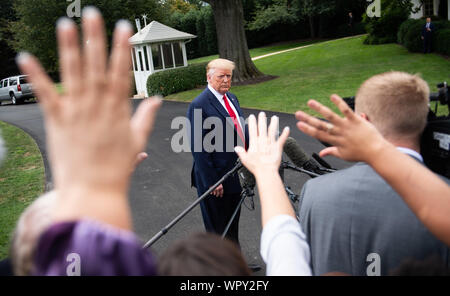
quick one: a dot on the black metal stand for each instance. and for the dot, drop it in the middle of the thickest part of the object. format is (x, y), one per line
(184, 213)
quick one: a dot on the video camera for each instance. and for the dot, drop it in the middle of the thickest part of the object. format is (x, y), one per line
(435, 141)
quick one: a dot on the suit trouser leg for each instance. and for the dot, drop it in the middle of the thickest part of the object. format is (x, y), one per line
(217, 212)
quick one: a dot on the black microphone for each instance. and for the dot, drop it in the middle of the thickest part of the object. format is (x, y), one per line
(247, 180)
(300, 158)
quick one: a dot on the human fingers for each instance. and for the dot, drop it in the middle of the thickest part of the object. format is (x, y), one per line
(140, 158)
(343, 107)
(326, 112)
(273, 129)
(317, 133)
(252, 130)
(283, 137)
(334, 151)
(69, 56)
(42, 84)
(120, 61)
(143, 120)
(315, 122)
(262, 125)
(94, 48)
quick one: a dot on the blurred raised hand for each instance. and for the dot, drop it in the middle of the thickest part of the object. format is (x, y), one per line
(93, 141)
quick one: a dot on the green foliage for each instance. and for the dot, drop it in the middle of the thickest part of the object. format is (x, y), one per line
(199, 22)
(280, 12)
(409, 35)
(442, 41)
(172, 81)
(316, 7)
(34, 29)
(21, 180)
(384, 29)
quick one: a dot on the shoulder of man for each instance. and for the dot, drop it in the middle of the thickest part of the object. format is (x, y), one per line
(201, 98)
(329, 187)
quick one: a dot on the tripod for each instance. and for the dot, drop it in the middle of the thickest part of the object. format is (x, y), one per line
(165, 229)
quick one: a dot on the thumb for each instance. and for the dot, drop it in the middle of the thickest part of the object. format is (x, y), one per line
(330, 151)
(241, 153)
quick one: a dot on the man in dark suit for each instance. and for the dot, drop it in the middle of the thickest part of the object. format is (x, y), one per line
(217, 126)
(427, 36)
(354, 221)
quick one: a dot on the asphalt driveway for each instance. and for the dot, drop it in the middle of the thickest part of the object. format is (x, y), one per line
(160, 187)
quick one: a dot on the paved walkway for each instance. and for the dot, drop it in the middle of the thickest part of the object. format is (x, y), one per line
(300, 47)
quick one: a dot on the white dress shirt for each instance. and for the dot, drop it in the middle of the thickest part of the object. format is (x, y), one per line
(284, 248)
(220, 99)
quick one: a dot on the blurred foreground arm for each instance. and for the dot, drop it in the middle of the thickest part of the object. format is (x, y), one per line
(355, 139)
(283, 244)
(91, 137)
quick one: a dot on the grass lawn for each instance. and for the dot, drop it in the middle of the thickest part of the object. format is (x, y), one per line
(318, 71)
(21, 180)
(255, 52)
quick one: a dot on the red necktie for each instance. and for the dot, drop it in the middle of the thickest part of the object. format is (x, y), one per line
(235, 120)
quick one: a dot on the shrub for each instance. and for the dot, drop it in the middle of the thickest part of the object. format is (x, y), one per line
(409, 35)
(172, 81)
(199, 22)
(442, 41)
(384, 29)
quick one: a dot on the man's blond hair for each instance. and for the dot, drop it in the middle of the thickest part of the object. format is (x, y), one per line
(396, 103)
(219, 64)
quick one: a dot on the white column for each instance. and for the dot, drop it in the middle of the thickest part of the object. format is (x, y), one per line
(183, 48)
(173, 56)
(150, 58)
(162, 56)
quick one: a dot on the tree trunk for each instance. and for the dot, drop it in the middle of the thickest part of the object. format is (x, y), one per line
(231, 40)
(311, 26)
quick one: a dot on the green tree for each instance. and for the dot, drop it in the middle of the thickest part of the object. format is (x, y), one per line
(311, 9)
(384, 29)
(7, 64)
(34, 28)
(231, 38)
(276, 12)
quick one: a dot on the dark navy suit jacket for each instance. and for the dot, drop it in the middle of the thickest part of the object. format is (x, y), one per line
(210, 166)
(425, 32)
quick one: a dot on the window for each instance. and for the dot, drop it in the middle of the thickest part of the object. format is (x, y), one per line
(140, 60)
(5, 83)
(23, 80)
(156, 56)
(168, 58)
(147, 68)
(178, 53)
(428, 7)
(1, 84)
(13, 81)
(133, 51)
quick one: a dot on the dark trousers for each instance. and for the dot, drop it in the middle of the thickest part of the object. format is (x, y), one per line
(427, 44)
(217, 212)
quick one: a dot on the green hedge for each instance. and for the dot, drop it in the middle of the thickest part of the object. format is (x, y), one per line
(172, 81)
(384, 29)
(410, 32)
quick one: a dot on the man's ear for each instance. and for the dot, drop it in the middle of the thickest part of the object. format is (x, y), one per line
(364, 116)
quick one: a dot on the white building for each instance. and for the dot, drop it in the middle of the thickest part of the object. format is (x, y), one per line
(429, 7)
(156, 47)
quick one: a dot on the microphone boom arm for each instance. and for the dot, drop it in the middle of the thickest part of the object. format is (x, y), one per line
(184, 213)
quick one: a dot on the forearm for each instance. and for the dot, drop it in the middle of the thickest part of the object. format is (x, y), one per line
(107, 205)
(274, 200)
(425, 193)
